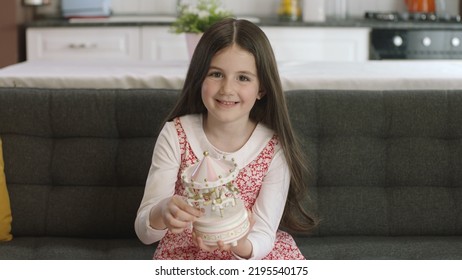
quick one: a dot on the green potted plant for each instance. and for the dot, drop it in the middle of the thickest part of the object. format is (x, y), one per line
(193, 20)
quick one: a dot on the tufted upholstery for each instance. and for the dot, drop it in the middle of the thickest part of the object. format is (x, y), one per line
(387, 171)
(76, 163)
(385, 164)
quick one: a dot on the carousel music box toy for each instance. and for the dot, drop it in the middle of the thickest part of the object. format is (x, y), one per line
(209, 185)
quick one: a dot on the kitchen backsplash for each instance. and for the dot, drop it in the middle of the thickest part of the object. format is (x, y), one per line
(262, 8)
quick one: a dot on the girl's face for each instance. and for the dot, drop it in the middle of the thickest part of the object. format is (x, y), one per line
(231, 86)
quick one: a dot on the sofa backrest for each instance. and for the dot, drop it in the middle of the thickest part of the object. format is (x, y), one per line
(81, 149)
(384, 163)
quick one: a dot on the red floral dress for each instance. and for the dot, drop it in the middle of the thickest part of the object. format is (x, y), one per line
(179, 246)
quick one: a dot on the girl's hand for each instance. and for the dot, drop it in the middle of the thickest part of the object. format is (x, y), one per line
(177, 214)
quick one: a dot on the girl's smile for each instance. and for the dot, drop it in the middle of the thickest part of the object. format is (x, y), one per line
(226, 103)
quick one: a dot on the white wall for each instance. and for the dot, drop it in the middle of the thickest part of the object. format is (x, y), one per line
(264, 8)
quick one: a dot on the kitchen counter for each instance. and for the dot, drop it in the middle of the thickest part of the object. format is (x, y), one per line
(270, 21)
(369, 75)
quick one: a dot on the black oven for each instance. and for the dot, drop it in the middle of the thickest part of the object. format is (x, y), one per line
(419, 36)
(415, 44)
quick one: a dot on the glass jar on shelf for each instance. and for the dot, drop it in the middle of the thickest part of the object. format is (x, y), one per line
(290, 10)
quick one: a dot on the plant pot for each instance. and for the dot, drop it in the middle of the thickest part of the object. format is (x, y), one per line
(191, 41)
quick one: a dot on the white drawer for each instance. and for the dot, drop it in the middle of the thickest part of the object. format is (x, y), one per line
(92, 43)
(159, 44)
(319, 43)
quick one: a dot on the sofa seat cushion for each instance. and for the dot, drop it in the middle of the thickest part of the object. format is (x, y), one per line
(381, 247)
(54, 248)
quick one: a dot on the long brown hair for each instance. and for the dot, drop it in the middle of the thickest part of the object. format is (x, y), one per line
(270, 110)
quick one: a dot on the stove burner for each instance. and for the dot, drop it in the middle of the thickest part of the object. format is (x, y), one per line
(412, 17)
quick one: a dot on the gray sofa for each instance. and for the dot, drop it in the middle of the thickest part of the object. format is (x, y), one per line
(386, 171)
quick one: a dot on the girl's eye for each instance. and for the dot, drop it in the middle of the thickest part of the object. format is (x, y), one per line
(243, 78)
(215, 74)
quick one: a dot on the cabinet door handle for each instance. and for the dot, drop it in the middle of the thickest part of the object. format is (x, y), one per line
(82, 45)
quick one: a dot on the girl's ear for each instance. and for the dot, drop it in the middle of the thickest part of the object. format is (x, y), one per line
(260, 95)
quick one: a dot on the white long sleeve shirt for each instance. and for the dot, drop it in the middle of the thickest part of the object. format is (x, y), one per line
(160, 184)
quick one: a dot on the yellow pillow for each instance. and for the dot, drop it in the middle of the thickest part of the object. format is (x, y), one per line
(5, 210)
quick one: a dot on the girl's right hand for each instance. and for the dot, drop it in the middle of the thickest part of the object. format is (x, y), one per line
(177, 214)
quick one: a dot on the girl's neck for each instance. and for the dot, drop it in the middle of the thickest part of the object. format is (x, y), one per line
(228, 137)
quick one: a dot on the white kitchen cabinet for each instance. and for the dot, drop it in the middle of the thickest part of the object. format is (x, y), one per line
(159, 44)
(83, 43)
(319, 43)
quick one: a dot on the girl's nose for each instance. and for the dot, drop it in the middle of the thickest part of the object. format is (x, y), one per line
(227, 87)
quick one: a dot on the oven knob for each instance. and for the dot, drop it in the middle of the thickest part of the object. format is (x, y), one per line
(426, 41)
(397, 41)
(455, 42)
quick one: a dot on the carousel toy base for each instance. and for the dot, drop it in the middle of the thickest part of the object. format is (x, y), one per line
(229, 228)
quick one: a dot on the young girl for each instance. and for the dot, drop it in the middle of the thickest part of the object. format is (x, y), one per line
(232, 106)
